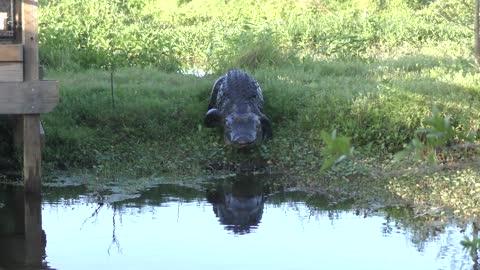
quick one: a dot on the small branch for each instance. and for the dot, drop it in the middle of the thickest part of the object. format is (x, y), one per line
(112, 86)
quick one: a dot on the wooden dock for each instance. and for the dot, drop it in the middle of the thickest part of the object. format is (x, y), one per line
(22, 94)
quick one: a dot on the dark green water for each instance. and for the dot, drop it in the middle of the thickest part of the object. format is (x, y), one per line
(236, 223)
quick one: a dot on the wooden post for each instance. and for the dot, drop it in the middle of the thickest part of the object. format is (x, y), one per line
(34, 242)
(31, 122)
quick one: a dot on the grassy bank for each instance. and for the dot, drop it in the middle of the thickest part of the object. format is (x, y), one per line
(156, 125)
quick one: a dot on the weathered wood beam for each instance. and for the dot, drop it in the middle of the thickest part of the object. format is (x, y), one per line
(11, 53)
(18, 21)
(28, 97)
(32, 154)
(11, 71)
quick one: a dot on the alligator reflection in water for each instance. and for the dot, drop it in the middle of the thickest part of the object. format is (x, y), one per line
(22, 240)
(238, 203)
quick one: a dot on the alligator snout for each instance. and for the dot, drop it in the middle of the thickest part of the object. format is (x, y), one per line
(242, 129)
(243, 141)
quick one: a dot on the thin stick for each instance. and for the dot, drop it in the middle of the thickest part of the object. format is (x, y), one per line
(112, 86)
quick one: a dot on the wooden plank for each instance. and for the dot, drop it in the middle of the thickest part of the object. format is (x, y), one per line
(30, 39)
(18, 21)
(11, 53)
(32, 154)
(28, 97)
(11, 71)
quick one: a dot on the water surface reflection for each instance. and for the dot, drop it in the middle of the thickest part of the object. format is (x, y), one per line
(22, 240)
(233, 223)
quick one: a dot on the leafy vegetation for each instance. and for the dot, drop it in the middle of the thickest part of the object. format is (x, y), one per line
(336, 149)
(438, 134)
(215, 35)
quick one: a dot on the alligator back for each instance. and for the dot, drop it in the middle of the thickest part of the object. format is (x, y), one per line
(237, 92)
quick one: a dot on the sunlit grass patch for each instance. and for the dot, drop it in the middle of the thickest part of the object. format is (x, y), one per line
(215, 35)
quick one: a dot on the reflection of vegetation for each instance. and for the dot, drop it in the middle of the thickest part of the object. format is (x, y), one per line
(163, 194)
(67, 193)
(419, 229)
(115, 240)
(8, 209)
(472, 246)
(115, 211)
(316, 202)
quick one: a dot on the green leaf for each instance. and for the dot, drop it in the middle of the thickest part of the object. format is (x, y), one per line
(327, 164)
(336, 148)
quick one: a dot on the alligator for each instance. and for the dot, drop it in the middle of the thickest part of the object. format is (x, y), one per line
(236, 104)
(238, 202)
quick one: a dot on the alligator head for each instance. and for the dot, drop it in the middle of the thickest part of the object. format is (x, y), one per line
(240, 130)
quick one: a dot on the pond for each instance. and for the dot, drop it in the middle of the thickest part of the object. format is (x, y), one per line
(229, 223)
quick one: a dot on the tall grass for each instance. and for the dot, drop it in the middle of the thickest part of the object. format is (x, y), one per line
(216, 34)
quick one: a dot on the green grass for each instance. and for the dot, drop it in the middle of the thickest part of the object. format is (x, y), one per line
(157, 124)
(216, 35)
